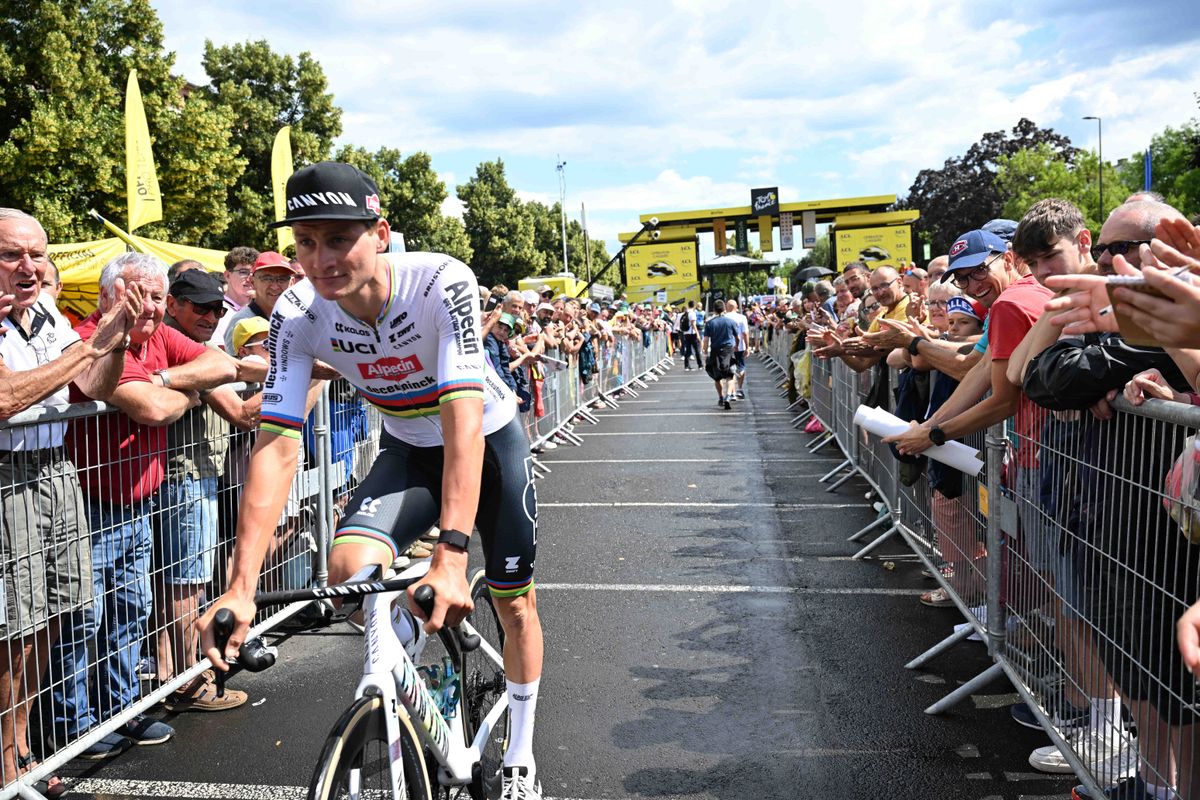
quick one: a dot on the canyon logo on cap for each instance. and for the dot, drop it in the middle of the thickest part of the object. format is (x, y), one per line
(330, 190)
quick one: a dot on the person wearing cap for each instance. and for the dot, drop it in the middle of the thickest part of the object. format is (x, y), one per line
(186, 527)
(271, 276)
(546, 293)
(403, 329)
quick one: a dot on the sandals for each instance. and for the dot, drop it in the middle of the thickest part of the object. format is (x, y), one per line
(51, 787)
(937, 598)
(201, 695)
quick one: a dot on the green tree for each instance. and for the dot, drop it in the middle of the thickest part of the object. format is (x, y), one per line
(449, 236)
(264, 91)
(1032, 174)
(547, 227)
(499, 227)
(817, 256)
(1175, 166)
(62, 121)
(962, 195)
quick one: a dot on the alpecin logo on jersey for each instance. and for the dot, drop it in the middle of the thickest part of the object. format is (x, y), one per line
(463, 306)
(347, 346)
(389, 368)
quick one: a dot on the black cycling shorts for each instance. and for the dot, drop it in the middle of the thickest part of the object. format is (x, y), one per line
(402, 497)
(720, 363)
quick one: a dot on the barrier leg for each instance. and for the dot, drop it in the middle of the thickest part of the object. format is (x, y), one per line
(570, 437)
(800, 419)
(539, 465)
(888, 534)
(829, 437)
(835, 470)
(966, 690)
(883, 520)
(940, 647)
(793, 405)
(837, 485)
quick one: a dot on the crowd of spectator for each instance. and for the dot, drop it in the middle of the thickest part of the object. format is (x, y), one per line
(1022, 323)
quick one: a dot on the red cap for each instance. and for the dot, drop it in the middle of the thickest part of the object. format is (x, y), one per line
(271, 259)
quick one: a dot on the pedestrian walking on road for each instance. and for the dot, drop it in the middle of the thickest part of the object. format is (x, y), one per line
(720, 340)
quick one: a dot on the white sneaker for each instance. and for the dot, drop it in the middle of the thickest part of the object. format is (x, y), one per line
(1109, 755)
(549, 444)
(518, 786)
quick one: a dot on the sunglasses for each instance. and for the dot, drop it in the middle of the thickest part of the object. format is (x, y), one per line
(1116, 248)
(216, 309)
(964, 277)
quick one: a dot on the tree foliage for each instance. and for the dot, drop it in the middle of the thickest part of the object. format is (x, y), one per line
(62, 134)
(1033, 174)
(963, 195)
(264, 91)
(499, 228)
(1175, 166)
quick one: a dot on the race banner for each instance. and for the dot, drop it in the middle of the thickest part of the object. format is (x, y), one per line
(786, 240)
(281, 170)
(765, 228)
(141, 181)
(876, 247)
(764, 201)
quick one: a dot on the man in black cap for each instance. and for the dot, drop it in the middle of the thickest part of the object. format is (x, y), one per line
(403, 328)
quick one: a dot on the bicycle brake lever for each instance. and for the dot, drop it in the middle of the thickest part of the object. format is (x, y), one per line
(222, 630)
(423, 597)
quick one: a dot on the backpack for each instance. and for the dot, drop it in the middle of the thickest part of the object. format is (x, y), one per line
(685, 322)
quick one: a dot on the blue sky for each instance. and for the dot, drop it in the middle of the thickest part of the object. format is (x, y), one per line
(670, 106)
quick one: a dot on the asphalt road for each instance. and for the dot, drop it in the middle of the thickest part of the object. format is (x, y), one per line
(707, 636)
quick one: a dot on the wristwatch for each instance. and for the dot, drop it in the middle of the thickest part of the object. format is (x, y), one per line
(166, 378)
(912, 346)
(937, 435)
(454, 538)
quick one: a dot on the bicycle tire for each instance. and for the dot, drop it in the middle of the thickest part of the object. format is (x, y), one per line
(483, 685)
(358, 743)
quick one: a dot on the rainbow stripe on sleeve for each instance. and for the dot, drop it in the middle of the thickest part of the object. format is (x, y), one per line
(281, 424)
(459, 389)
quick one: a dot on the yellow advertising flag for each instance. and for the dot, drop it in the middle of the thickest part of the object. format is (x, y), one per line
(281, 170)
(765, 228)
(141, 182)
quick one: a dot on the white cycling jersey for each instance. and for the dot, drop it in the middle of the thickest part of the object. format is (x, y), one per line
(423, 350)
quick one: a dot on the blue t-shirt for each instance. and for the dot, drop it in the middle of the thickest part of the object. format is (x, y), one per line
(981, 345)
(722, 330)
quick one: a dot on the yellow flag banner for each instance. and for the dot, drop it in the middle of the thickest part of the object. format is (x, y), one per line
(281, 170)
(79, 265)
(141, 181)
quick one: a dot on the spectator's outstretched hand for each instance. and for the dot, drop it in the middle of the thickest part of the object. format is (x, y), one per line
(913, 441)
(112, 331)
(1150, 385)
(1180, 235)
(6, 304)
(892, 333)
(1188, 633)
(858, 346)
(1173, 319)
(1079, 312)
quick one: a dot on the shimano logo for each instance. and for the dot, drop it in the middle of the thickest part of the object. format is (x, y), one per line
(390, 368)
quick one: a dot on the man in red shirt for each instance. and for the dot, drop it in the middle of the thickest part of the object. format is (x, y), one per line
(121, 459)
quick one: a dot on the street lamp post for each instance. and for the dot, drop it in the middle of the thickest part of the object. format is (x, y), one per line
(1100, 158)
(562, 206)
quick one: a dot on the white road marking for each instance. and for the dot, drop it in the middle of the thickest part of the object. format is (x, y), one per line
(663, 433)
(699, 414)
(705, 505)
(188, 789)
(705, 588)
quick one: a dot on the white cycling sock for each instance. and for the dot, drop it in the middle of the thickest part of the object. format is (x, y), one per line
(1106, 713)
(522, 707)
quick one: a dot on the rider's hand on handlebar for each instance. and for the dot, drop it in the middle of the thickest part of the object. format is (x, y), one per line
(243, 610)
(452, 595)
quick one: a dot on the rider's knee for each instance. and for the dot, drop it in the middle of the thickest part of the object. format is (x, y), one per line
(517, 613)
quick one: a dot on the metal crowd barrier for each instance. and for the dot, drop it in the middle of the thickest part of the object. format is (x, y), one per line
(133, 573)
(1072, 567)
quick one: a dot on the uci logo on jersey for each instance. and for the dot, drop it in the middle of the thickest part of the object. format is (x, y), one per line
(346, 346)
(390, 368)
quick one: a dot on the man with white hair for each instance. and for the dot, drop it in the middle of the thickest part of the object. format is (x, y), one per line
(739, 350)
(45, 557)
(121, 458)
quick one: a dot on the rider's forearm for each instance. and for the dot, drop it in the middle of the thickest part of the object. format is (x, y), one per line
(272, 467)
(462, 431)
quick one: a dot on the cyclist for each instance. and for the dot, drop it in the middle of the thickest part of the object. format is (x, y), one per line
(403, 328)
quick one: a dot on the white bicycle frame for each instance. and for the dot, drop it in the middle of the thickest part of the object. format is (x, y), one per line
(389, 673)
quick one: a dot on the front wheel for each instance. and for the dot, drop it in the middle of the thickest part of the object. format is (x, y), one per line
(483, 687)
(355, 761)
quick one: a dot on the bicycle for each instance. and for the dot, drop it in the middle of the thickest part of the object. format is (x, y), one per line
(413, 732)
